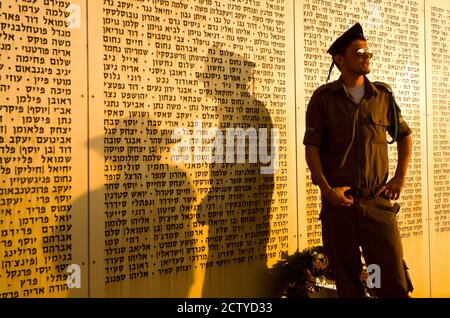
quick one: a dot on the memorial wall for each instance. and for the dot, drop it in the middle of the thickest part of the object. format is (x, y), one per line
(154, 148)
(43, 157)
(438, 137)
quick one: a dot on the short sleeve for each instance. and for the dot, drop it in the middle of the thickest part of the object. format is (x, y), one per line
(314, 122)
(403, 129)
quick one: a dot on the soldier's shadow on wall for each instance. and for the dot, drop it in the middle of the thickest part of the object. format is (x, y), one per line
(237, 207)
(146, 202)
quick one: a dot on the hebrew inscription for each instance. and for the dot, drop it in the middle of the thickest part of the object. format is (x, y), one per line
(184, 84)
(440, 58)
(35, 148)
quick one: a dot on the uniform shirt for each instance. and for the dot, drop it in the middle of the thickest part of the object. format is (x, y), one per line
(352, 137)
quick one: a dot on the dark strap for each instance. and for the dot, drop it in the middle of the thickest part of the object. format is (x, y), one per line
(393, 106)
(329, 72)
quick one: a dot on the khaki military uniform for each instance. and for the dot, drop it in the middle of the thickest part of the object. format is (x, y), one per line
(353, 150)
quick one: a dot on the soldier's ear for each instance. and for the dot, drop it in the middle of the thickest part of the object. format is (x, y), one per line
(338, 59)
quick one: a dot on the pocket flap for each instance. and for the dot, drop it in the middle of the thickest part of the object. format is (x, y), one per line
(377, 119)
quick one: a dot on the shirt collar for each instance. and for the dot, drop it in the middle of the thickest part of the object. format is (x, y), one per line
(370, 88)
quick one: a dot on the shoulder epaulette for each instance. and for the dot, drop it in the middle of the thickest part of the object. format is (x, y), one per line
(384, 86)
(324, 87)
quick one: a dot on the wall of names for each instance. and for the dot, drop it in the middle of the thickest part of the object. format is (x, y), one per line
(40, 107)
(438, 137)
(181, 81)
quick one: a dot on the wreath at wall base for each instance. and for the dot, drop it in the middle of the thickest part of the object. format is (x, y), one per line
(307, 274)
(302, 274)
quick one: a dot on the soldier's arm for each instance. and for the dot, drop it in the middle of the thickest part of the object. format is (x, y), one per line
(404, 150)
(394, 187)
(315, 166)
(334, 195)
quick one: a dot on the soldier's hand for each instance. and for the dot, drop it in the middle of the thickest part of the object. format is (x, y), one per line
(393, 188)
(337, 197)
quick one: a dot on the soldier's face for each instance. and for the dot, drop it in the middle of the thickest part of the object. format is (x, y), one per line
(357, 58)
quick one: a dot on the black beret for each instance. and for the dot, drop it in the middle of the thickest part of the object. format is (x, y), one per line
(342, 42)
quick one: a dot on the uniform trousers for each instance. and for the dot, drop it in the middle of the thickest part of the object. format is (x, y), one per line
(370, 223)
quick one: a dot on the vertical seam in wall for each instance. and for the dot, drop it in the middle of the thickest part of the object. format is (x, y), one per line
(426, 144)
(88, 155)
(295, 125)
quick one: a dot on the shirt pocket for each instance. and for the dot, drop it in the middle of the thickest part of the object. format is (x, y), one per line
(377, 127)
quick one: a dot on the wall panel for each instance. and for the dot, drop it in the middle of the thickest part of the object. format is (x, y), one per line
(173, 211)
(43, 213)
(394, 30)
(438, 57)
